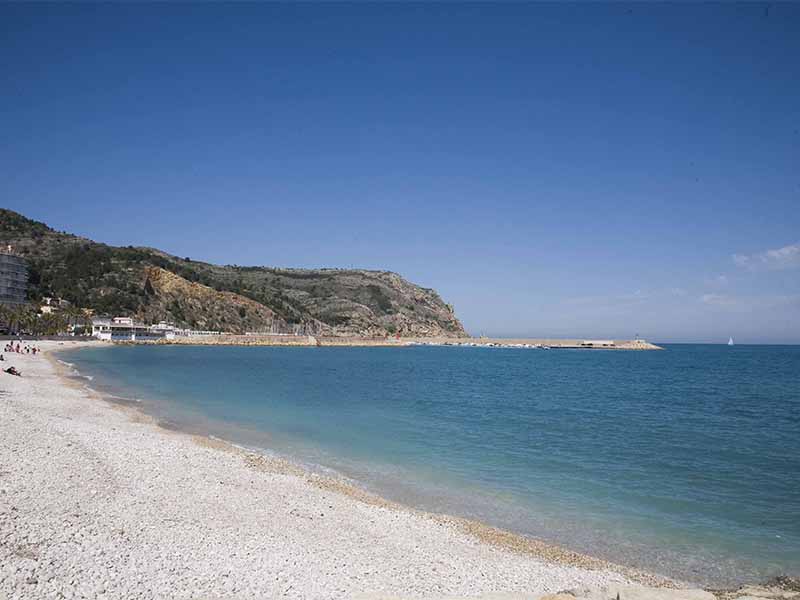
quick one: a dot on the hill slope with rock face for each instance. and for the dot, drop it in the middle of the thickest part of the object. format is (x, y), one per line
(153, 286)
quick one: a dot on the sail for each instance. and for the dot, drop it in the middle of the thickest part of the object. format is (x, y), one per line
(730, 341)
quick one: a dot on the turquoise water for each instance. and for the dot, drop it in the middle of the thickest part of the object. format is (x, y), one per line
(685, 462)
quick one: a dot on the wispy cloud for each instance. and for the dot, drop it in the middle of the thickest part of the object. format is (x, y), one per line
(718, 281)
(718, 300)
(778, 259)
(752, 303)
(622, 299)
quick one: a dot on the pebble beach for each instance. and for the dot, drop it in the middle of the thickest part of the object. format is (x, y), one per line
(98, 501)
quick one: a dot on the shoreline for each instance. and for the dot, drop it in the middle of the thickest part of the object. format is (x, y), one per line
(553, 568)
(503, 539)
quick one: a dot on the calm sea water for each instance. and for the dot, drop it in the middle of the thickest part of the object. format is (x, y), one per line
(685, 462)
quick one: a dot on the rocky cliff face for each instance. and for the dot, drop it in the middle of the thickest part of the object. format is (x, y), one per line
(365, 303)
(154, 286)
(169, 297)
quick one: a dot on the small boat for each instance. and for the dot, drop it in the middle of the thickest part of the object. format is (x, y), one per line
(730, 341)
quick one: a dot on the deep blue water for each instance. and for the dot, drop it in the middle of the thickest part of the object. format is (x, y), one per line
(685, 462)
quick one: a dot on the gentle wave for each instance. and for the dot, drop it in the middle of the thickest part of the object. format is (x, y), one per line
(75, 372)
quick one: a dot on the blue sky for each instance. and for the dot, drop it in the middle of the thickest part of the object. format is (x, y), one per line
(572, 170)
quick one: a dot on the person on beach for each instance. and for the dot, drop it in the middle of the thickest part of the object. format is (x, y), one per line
(13, 371)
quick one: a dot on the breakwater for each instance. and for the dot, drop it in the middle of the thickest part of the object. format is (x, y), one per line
(309, 340)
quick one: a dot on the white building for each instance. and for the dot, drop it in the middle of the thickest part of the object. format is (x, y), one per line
(128, 330)
(124, 329)
(167, 330)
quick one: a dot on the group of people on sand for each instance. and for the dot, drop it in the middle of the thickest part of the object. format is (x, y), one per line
(18, 349)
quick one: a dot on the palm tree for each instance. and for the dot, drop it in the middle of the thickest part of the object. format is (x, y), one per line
(26, 318)
(51, 324)
(72, 314)
(14, 314)
(83, 319)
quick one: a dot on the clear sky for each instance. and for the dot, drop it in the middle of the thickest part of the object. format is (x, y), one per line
(572, 170)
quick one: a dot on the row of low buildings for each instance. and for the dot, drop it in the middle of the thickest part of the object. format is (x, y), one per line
(126, 329)
(13, 292)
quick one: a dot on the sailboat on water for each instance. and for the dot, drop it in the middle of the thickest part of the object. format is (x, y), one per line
(730, 341)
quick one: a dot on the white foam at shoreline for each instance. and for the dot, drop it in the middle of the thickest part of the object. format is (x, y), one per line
(74, 370)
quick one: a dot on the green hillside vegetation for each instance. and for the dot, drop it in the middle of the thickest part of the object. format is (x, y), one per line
(119, 281)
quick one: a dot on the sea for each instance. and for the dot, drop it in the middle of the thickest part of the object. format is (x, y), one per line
(683, 462)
